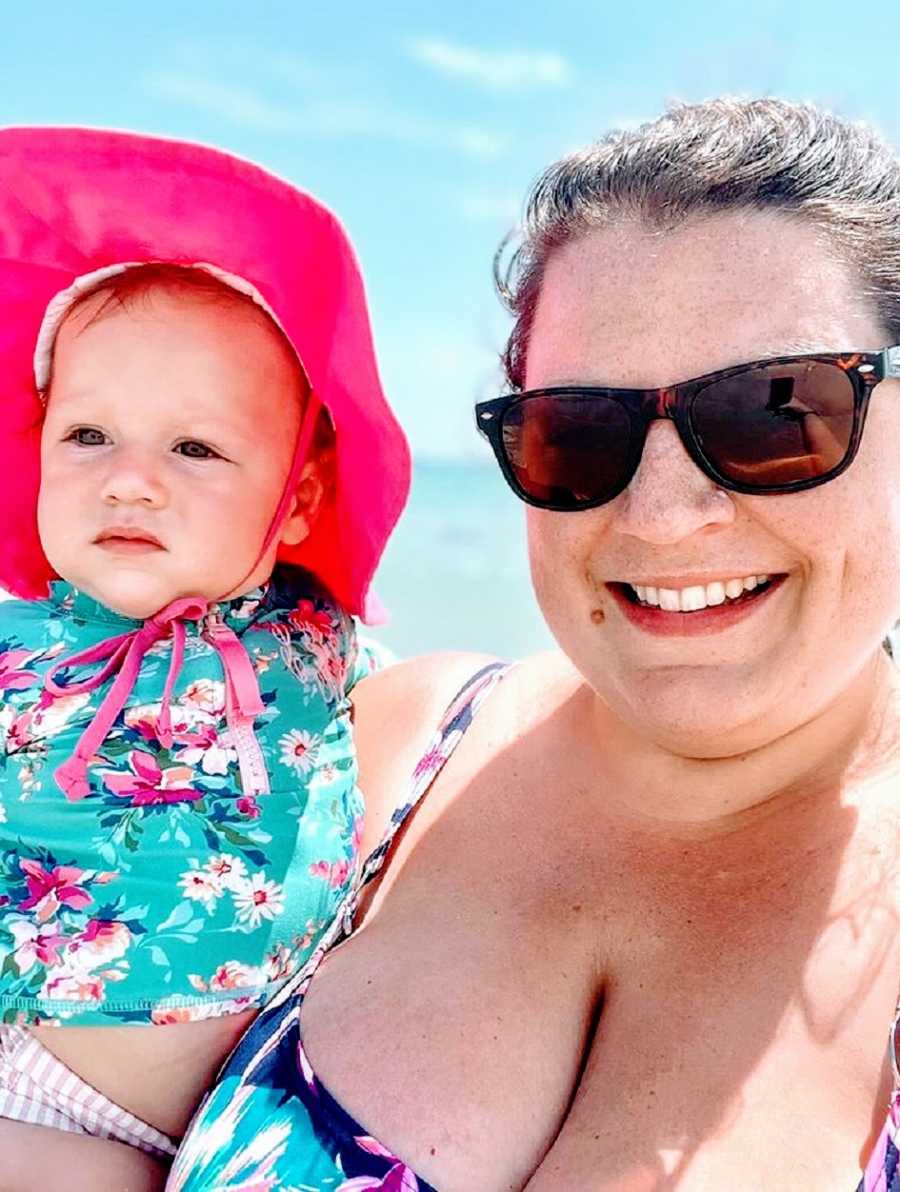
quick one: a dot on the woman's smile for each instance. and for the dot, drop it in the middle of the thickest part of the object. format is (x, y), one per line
(693, 609)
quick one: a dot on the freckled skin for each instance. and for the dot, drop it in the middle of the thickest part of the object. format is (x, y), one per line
(631, 307)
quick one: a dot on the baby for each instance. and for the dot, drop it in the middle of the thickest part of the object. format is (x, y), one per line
(179, 818)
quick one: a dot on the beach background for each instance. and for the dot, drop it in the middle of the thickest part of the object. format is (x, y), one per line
(455, 575)
(422, 125)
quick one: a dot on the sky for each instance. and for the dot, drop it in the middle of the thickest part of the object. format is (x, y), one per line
(424, 124)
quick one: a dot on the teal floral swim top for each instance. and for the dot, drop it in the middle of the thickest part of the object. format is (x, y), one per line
(195, 860)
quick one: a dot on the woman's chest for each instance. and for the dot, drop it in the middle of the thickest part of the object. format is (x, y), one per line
(453, 1026)
(548, 1016)
(746, 1050)
(701, 1108)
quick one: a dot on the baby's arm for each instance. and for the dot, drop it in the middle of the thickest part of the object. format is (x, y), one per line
(40, 1157)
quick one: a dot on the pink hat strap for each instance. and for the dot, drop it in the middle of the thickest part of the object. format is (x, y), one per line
(301, 448)
(305, 434)
(123, 654)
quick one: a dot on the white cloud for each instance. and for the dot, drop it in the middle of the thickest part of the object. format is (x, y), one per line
(495, 70)
(490, 206)
(248, 108)
(240, 105)
(479, 142)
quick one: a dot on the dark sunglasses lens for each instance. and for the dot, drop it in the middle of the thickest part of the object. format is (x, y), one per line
(567, 452)
(776, 424)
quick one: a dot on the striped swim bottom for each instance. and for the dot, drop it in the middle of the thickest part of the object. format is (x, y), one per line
(35, 1087)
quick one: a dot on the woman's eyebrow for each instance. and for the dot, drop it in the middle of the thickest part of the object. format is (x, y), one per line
(800, 347)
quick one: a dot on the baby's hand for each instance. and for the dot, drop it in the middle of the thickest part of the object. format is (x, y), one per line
(40, 1157)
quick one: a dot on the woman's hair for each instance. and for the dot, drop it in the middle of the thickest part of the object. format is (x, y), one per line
(712, 157)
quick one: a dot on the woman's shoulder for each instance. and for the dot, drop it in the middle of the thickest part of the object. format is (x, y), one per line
(426, 684)
(398, 709)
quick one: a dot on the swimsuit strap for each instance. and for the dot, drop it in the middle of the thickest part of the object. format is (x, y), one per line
(453, 725)
(450, 731)
(894, 1049)
(882, 1173)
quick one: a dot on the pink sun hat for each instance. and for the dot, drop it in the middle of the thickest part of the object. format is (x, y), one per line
(78, 203)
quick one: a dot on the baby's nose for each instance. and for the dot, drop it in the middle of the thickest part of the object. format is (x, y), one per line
(132, 480)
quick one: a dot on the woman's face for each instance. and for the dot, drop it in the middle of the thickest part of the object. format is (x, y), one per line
(629, 307)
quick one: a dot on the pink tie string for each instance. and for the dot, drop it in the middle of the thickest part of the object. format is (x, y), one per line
(123, 655)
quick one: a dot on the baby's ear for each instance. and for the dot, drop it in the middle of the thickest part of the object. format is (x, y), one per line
(312, 489)
(316, 482)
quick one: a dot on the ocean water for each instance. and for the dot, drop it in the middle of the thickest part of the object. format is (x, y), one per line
(455, 573)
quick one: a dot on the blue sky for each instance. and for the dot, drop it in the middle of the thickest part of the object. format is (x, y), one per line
(423, 124)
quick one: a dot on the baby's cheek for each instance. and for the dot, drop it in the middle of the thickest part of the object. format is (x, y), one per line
(57, 522)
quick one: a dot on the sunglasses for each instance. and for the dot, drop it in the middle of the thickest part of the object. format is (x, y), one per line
(772, 426)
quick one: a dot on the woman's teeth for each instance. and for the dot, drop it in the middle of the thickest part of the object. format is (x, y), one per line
(691, 600)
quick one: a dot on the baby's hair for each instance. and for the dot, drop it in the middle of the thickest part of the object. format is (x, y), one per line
(126, 288)
(136, 284)
(130, 287)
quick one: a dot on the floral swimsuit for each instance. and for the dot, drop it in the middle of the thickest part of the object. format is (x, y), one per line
(164, 888)
(269, 1125)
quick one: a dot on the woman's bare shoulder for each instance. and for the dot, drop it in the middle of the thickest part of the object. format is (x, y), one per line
(397, 710)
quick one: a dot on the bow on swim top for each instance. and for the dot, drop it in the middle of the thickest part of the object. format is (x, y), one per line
(269, 1124)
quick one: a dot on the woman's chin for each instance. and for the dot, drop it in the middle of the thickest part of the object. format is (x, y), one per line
(714, 712)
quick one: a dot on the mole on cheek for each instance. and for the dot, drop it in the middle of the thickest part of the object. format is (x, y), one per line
(598, 616)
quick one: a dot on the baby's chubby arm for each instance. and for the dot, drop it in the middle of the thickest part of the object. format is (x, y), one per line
(40, 1157)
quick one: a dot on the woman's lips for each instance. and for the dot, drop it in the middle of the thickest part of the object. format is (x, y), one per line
(708, 620)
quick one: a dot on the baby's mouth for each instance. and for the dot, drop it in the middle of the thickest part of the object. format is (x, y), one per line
(128, 540)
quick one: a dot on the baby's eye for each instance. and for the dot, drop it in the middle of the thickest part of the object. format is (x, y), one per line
(86, 436)
(195, 450)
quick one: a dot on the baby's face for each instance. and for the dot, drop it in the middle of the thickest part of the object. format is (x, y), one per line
(167, 441)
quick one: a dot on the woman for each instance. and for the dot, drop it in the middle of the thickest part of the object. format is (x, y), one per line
(642, 930)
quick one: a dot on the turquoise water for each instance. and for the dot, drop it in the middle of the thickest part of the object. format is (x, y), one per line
(455, 574)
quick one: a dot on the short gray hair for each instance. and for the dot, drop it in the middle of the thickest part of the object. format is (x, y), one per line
(706, 158)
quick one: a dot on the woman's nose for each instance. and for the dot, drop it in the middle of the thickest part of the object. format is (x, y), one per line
(669, 498)
(132, 479)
